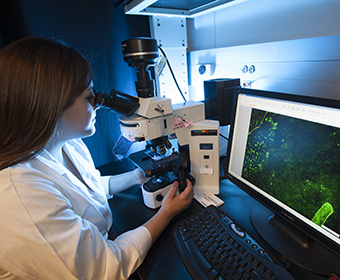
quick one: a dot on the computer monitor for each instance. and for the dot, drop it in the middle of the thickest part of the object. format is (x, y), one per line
(284, 150)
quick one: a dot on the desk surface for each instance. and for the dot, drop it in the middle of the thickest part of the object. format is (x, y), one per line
(163, 261)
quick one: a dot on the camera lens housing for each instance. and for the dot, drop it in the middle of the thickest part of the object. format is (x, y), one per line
(138, 52)
(141, 53)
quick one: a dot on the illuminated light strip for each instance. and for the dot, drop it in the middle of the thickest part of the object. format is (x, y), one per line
(138, 53)
(140, 7)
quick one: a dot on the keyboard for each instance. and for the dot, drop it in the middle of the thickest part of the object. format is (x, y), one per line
(212, 246)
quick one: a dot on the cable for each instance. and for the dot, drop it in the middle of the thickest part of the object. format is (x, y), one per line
(224, 137)
(172, 73)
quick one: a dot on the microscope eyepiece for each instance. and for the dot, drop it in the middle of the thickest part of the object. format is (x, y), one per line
(117, 101)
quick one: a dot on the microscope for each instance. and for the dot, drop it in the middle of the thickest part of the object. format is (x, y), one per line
(156, 120)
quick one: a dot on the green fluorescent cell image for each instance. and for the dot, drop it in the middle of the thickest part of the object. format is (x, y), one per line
(322, 214)
(298, 163)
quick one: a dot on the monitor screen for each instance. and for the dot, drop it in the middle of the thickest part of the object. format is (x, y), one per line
(284, 150)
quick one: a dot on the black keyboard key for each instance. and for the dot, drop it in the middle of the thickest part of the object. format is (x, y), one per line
(256, 275)
(268, 273)
(212, 274)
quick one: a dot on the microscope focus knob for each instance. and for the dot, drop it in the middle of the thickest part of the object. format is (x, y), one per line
(159, 197)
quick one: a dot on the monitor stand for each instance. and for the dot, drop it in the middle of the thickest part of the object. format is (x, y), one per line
(292, 243)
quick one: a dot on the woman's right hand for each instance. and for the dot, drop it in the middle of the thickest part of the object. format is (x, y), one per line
(173, 204)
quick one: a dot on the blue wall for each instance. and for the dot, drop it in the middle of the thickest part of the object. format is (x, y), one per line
(96, 29)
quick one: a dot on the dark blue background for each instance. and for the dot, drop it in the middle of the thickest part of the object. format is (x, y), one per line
(96, 29)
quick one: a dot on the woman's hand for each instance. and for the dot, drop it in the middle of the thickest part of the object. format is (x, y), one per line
(173, 204)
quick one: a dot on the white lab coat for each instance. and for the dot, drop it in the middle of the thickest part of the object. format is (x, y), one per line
(55, 227)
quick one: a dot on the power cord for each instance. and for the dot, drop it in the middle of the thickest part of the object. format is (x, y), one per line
(224, 137)
(172, 73)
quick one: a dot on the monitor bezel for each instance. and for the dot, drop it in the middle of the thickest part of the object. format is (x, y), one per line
(288, 216)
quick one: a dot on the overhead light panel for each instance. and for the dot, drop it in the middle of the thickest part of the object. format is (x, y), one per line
(177, 7)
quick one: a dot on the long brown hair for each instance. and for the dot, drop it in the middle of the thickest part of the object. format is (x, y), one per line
(39, 79)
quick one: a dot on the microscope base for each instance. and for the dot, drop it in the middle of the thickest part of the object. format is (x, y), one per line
(156, 189)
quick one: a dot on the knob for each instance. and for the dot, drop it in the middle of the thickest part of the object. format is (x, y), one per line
(159, 197)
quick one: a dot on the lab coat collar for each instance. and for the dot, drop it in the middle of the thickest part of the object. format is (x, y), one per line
(48, 160)
(87, 176)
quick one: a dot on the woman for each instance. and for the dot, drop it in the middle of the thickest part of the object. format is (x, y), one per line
(54, 214)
